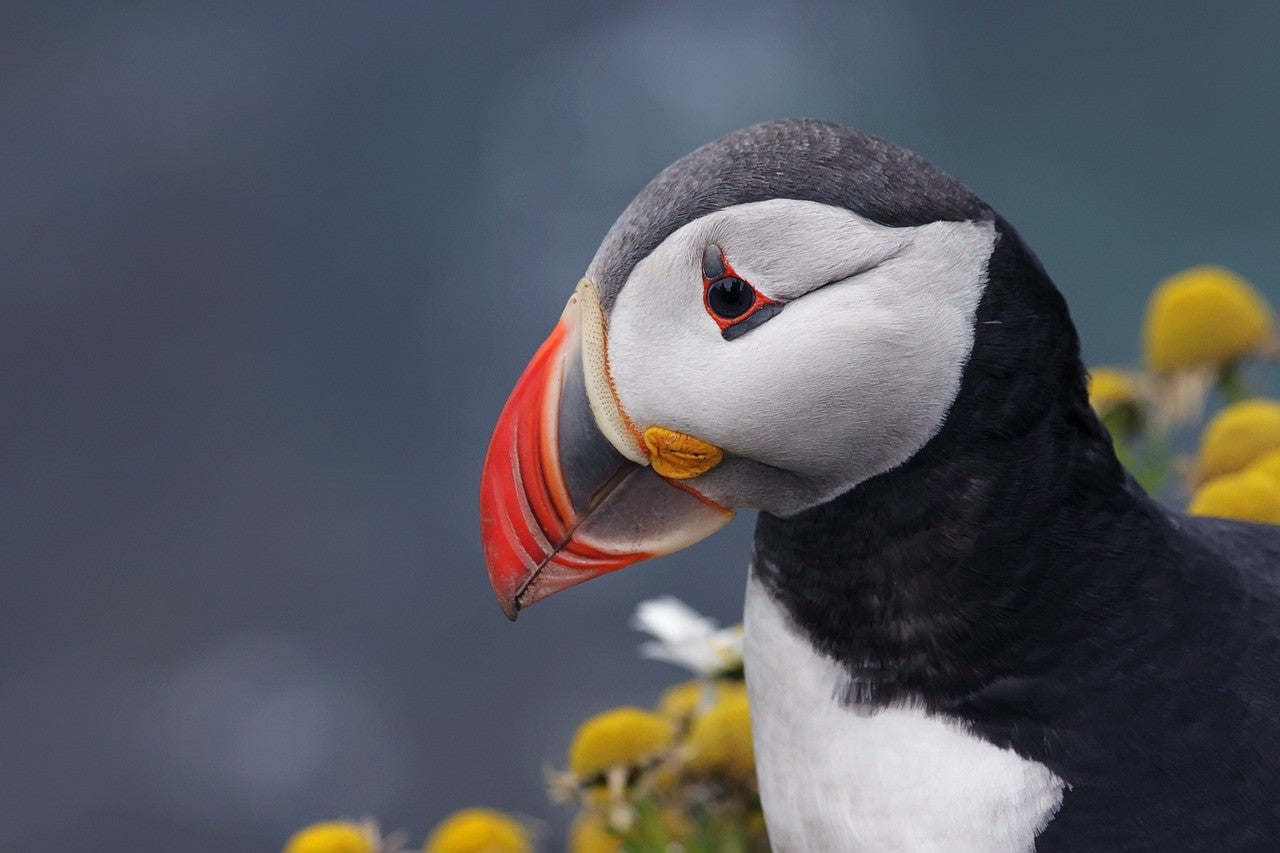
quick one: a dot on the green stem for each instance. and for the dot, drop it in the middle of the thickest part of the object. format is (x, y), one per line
(1232, 385)
(1156, 464)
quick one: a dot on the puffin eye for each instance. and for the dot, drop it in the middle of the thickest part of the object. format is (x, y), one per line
(730, 297)
(735, 305)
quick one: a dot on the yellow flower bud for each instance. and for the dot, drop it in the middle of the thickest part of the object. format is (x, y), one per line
(621, 737)
(1110, 388)
(479, 831)
(1268, 463)
(333, 837)
(682, 702)
(678, 703)
(720, 740)
(590, 834)
(1204, 317)
(1247, 496)
(1237, 436)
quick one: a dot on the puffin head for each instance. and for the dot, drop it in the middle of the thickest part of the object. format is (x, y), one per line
(778, 317)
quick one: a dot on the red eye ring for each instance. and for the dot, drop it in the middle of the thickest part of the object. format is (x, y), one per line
(718, 273)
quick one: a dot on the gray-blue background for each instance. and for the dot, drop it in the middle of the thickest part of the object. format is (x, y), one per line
(267, 271)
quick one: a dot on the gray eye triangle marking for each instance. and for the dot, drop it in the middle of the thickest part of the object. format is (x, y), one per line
(712, 262)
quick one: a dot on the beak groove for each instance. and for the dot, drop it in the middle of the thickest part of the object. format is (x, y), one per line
(527, 516)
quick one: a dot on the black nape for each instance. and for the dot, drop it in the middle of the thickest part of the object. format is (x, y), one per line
(920, 580)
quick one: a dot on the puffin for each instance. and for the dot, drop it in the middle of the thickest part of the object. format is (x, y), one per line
(967, 627)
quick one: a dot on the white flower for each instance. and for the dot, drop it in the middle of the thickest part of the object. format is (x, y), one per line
(687, 638)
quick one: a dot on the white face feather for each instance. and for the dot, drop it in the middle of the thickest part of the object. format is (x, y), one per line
(849, 380)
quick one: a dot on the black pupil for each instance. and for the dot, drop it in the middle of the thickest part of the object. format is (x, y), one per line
(730, 297)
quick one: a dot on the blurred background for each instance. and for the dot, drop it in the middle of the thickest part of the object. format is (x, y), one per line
(268, 270)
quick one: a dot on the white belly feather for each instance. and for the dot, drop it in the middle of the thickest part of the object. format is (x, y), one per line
(896, 779)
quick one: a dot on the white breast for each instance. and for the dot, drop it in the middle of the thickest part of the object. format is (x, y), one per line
(836, 779)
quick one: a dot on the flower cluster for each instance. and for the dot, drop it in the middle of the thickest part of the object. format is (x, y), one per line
(677, 778)
(1204, 327)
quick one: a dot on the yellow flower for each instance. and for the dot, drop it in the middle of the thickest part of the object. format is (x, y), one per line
(1116, 397)
(621, 737)
(1247, 496)
(681, 703)
(333, 837)
(1237, 436)
(479, 831)
(720, 740)
(590, 834)
(1110, 388)
(1204, 317)
(1268, 463)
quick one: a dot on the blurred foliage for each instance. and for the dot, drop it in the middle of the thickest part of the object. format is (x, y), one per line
(680, 778)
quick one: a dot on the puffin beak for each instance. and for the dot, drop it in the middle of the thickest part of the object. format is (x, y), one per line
(560, 502)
